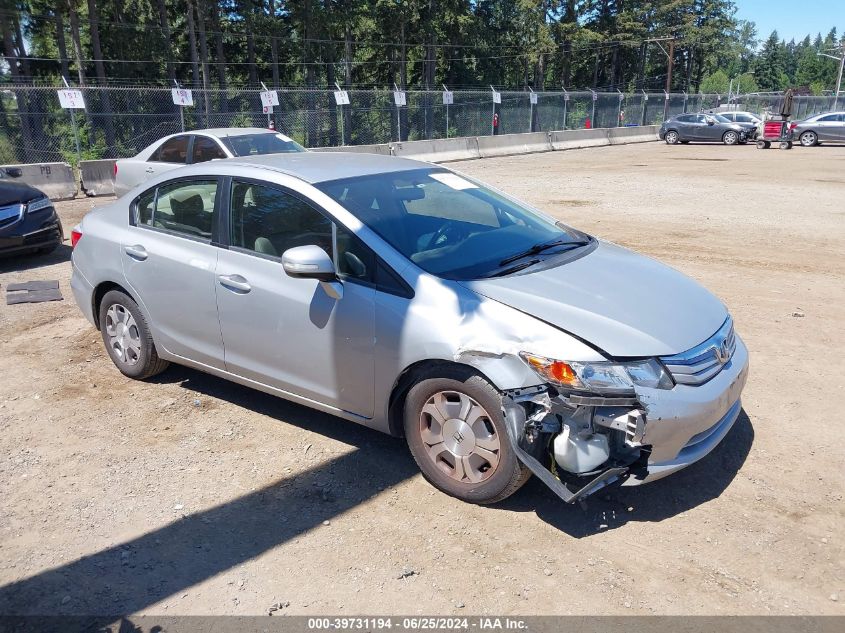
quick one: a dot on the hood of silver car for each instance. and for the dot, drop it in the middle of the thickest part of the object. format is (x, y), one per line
(623, 303)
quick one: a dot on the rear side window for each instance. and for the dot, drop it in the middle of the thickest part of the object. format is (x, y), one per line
(686, 118)
(831, 118)
(173, 151)
(186, 208)
(205, 149)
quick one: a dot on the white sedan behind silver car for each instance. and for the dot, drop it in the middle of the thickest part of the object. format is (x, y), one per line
(198, 146)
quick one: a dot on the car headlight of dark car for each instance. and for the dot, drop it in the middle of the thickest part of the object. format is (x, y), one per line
(38, 204)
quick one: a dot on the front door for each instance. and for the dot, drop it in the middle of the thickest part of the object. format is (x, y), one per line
(169, 260)
(290, 333)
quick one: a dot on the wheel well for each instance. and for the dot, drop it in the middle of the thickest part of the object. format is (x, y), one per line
(100, 292)
(406, 380)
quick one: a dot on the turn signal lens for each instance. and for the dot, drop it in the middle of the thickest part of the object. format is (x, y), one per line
(75, 236)
(555, 371)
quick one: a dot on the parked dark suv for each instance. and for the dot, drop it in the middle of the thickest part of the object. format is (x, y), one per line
(702, 128)
(28, 221)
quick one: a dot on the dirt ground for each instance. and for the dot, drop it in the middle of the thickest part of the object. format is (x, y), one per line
(191, 495)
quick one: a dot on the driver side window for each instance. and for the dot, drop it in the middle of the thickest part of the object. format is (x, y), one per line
(269, 221)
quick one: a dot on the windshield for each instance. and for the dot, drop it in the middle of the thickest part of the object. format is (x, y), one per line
(451, 226)
(262, 143)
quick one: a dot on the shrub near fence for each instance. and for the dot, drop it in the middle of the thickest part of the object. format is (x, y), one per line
(120, 121)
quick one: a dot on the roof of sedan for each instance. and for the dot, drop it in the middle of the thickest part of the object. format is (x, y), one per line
(315, 167)
(232, 131)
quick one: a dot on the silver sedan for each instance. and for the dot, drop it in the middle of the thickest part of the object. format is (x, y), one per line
(198, 146)
(416, 301)
(828, 128)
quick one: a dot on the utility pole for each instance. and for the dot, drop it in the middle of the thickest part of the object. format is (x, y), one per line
(670, 62)
(841, 59)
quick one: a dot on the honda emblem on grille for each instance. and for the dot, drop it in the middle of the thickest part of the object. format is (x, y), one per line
(722, 351)
(458, 437)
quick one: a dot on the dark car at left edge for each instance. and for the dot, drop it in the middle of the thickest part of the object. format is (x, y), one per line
(28, 221)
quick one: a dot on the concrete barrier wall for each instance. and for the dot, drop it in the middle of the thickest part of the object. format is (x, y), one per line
(465, 148)
(509, 144)
(358, 149)
(54, 179)
(439, 150)
(623, 135)
(97, 177)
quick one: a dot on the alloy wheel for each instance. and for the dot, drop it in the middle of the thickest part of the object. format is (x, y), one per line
(123, 335)
(808, 139)
(671, 137)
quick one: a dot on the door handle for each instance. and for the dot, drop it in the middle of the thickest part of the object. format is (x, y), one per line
(234, 282)
(136, 251)
(150, 170)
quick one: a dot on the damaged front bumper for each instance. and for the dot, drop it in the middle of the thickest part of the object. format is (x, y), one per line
(653, 435)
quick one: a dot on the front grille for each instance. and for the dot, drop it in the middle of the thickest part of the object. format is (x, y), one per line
(701, 363)
(10, 214)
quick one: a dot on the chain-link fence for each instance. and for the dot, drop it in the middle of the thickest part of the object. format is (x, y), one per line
(121, 121)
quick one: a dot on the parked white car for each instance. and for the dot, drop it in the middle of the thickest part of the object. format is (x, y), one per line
(198, 146)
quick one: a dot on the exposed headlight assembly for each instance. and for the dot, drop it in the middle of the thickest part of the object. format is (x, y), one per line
(37, 205)
(601, 377)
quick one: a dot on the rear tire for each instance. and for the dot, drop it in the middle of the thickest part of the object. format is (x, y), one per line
(457, 435)
(730, 138)
(761, 145)
(808, 138)
(127, 337)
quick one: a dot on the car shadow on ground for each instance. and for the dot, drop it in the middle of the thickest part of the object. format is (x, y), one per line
(164, 562)
(20, 263)
(609, 509)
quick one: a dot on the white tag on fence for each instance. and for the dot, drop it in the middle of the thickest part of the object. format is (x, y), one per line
(533, 98)
(71, 99)
(399, 98)
(269, 98)
(182, 97)
(497, 97)
(448, 97)
(341, 97)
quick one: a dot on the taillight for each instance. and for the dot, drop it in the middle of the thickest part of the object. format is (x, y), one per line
(792, 126)
(115, 168)
(75, 236)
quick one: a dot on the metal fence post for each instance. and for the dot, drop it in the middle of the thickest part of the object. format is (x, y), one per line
(619, 113)
(565, 104)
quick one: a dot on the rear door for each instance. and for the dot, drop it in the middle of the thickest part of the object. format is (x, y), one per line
(169, 256)
(173, 153)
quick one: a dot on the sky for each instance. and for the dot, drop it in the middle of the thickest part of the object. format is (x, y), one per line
(793, 19)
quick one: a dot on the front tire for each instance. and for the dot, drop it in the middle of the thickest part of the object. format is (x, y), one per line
(127, 337)
(808, 139)
(672, 137)
(730, 138)
(457, 435)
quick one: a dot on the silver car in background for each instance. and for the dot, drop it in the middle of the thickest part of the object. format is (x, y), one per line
(198, 146)
(413, 300)
(821, 128)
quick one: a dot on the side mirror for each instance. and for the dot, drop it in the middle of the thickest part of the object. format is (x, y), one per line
(711, 122)
(308, 262)
(14, 172)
